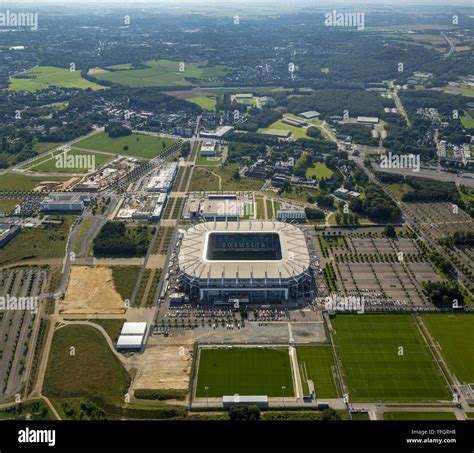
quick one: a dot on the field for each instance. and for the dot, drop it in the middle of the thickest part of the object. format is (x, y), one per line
(455, 335)
(221, 178)
(94, 371)
(125, 278)
(419, 416)
(459, 90)
(18, 182)
(398, 190)
(41, 77)
(374, 366)
(51, 164)
(245, 372)
(203, 160)
(139, 145)
(298, 132)
(92, 290)
(159, 73)
(320, 170)
(8, 204)
(37, 243)
(317, 363)
(467, 120)
(206, 103)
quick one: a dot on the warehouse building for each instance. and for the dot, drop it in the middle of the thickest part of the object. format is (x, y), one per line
(7, 233)
(132, 337)
(163, 181)
(65, 202)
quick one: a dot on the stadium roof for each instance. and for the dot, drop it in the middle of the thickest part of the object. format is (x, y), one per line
(295, 257)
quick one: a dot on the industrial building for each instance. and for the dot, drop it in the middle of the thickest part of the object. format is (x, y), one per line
(291, 214)
(145, 207)
(65, 202)
(217, 207)
(132, 336)
(310, 115)
(367, 119)
(208, 149)
(252, 262)
(7, 233)
(163, 180)
(218, 134)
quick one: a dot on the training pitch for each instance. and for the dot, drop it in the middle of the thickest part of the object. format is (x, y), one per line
(244, 371)
(384, 357)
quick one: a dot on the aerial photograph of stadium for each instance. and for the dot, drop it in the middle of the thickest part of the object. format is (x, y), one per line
(236, 218)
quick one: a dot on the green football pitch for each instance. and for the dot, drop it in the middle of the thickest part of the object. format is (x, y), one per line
(455, 335)
(384, 357)
(317, 364)
(244, 371)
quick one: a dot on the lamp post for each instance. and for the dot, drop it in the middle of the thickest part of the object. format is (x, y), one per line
(207, 396)
(283, 388)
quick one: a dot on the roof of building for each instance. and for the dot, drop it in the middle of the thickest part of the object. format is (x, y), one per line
(367, 119)
(130, 341)
(310, 114)
(295, 257)
(133, 328)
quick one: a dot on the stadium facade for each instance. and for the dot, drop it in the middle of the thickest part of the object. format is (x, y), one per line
(256, 262)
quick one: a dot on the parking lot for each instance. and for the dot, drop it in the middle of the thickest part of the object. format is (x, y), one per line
(386, 272)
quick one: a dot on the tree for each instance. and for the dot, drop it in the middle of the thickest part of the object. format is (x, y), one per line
(244, 413)
(390, 230)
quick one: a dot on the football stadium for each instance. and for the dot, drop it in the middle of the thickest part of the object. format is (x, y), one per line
(254, 262)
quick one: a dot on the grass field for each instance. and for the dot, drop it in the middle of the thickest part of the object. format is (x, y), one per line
(455, 335)
(139, 145)
(41, 77)
(8, 204)
(44, 242)
(31, 410)
(205, 179)
(373, 369)
(320, 170)
(419, 416)
(317, 363)
(203, 160)
(298, 132)
(10, 182)
(83, 228)
(159, 73)
(459, 90)
(93, 371)
(55, 163)
(245, 372)
(125, 278)
(399, 190)
(206, 103)
(467, 120)
(43, 147)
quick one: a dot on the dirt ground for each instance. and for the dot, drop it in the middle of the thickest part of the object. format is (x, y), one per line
(165, 364)
(156, 262)
(91, 290)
